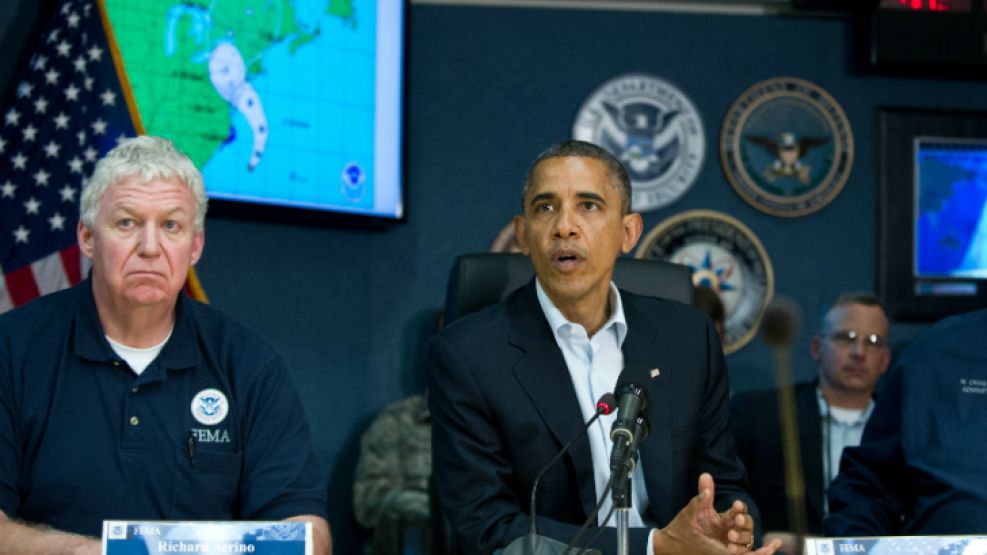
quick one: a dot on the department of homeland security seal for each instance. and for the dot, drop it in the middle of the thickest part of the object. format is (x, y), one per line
(786, 147)
(210, 407)
(653, 129)
(725, 256)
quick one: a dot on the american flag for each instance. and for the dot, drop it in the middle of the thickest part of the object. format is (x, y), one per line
(65, 108)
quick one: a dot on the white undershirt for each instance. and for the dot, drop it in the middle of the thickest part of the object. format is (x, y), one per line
(841, 428)
(138, 358)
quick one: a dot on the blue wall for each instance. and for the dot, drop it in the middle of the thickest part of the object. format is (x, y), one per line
(488, 88)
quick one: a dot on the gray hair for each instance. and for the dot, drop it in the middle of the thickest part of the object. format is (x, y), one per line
(581, 149)
(150, 158)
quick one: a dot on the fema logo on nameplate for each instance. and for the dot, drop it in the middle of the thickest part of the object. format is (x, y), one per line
(786, 147)
(116, 530)
(726, 257)
(653, 129)
(210, 407)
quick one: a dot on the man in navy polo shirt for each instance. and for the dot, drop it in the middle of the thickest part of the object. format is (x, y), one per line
(121, 398)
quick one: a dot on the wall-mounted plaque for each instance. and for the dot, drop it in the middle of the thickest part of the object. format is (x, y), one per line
(786, 147)
(725, 256)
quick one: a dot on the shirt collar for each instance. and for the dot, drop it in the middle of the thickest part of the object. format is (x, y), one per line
(90, 339)
(824, 409)
(558, 322)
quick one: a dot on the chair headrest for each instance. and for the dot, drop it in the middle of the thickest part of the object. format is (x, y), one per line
(479, 280)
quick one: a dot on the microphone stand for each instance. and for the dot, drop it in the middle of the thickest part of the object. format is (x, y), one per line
(620, 479)
(622, 506)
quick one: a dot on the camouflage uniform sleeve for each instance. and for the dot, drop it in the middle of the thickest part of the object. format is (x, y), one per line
(392, 470)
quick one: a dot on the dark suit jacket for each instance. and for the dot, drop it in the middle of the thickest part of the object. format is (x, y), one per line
(503, 405)
(757, 432)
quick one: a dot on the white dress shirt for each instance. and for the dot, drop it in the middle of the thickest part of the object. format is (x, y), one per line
(594, 364)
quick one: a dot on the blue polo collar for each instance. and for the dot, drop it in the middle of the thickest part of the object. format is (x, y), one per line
(89, 338)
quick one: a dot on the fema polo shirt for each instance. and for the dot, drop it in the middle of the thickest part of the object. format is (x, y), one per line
(212, 429)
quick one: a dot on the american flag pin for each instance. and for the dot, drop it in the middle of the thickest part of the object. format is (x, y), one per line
(655, 372)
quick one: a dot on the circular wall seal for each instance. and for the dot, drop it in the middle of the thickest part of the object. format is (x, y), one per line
(786, 147)
(725, 256)
(653, 129)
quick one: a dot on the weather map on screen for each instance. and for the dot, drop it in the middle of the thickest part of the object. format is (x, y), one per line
(286, 102)
(951, 194)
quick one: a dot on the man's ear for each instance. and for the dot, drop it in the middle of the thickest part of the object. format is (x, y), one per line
(885, 361)
(521, 233)
(198, 244)
(815, 348)
(84, 236)
(633, 226)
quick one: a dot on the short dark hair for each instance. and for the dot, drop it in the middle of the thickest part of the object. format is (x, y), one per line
(581, 149)
(855, 297)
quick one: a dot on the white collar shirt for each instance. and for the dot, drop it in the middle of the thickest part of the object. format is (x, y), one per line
(594, 364)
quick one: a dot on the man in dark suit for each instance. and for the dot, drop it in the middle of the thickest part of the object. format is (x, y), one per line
(508, 386)
(851, 353)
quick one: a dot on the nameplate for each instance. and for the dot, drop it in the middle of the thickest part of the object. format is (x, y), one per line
(122, 537)
(904, 545)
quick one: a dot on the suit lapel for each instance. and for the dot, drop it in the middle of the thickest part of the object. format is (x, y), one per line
(544, 376)
(643, 345)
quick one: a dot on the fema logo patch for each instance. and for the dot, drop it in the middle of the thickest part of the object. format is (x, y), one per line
(786, 147)
(210, 407)
(653, 129)
(726, 257)
(353, 178)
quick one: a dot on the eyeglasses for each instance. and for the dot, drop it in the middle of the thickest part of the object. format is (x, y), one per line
(847, 338)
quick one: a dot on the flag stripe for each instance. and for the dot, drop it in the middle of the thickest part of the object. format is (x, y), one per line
(6, 303)
(72, 263)
(49, 274)
(21, 285)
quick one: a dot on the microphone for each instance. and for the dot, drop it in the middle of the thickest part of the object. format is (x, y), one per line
(780, 327)
(631, 426)
(605, 405)
(781, 322)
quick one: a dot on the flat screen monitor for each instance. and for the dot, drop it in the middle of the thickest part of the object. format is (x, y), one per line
(284, 105)
(950, 195)
(932, 223)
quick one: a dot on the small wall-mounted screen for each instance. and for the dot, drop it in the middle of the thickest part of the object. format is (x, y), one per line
(950, 197)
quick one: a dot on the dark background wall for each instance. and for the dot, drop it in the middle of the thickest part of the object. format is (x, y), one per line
(351, 307)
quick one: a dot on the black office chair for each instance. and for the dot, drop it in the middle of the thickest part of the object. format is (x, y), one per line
(482, 279)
